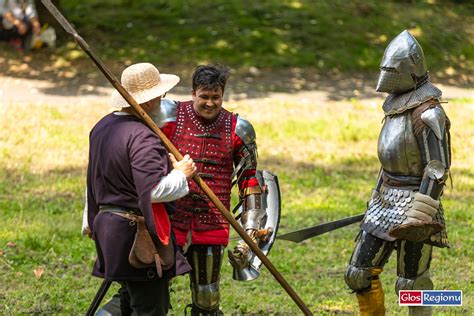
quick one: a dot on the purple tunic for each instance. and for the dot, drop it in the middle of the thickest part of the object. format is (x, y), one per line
(126, 160)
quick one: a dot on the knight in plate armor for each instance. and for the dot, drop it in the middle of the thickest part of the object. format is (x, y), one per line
(222, 145)
(405, 211)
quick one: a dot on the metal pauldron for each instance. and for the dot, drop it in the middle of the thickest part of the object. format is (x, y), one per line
(436, 120)
(167, 112)
(435, 138)
(245, 131)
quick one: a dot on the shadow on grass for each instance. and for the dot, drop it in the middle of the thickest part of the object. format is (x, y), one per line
(82, 78)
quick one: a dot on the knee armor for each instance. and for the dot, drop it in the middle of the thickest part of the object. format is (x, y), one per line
(206, 297)
(357, 279)
(421, 282)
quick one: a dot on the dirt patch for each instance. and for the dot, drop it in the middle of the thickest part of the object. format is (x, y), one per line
(47, 78)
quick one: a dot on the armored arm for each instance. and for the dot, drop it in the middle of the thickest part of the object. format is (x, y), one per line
(434, 147)
(250, 195)
(250, 191)
(432, 132)
(436, 154)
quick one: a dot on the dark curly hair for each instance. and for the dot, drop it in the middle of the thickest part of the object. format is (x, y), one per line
(210, 77)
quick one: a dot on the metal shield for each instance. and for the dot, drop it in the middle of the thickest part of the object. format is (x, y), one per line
(272, 205)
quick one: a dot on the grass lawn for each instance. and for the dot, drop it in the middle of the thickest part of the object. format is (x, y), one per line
(324, 154)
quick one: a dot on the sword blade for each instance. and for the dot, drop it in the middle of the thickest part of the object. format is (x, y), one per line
(309, 232)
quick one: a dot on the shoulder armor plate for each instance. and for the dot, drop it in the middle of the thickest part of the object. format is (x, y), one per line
(436, 120)
(167, 112)
(245, 130)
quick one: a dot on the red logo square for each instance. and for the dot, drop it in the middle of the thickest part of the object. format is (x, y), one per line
(409, 297)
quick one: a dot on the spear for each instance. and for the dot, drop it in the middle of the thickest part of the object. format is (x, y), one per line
(172, 149)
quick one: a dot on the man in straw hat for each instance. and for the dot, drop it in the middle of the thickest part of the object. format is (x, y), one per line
(129, 169)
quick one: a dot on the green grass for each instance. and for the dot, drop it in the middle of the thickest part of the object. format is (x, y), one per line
(324, 155)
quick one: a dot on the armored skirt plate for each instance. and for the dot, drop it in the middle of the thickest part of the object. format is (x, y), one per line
(387, 211)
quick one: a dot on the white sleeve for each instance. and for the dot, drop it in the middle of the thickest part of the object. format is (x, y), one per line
(171, 187)
(85, 212)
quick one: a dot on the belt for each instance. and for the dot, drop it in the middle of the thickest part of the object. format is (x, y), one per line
(197, 209)
(400, 180)
(118, 209)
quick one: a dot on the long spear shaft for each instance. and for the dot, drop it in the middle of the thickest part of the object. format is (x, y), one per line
(172, 149)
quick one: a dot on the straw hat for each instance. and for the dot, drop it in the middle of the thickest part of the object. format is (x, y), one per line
(144, 83)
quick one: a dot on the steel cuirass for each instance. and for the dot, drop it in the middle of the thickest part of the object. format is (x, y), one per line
(397, 148)
(403, 158)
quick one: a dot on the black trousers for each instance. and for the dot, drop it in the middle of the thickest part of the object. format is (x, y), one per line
(147, 298)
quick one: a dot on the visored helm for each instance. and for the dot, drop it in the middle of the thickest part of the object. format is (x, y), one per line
(403, 65)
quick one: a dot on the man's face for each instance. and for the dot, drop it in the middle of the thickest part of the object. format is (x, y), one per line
(207, 103)
(152, 107)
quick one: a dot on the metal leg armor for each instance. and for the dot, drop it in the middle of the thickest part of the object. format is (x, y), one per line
(413, 263)
(362, 274)
(206, 261)
(111, 308)
(118, 305)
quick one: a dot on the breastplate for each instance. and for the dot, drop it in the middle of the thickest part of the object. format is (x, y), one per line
(210, 146)
(398, 149)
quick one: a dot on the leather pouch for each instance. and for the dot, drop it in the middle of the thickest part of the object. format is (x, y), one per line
(143, 253)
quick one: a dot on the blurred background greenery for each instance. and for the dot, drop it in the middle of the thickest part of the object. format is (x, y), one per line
(253, 37)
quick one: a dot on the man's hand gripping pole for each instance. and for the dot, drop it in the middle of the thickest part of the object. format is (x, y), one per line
(172, 149)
